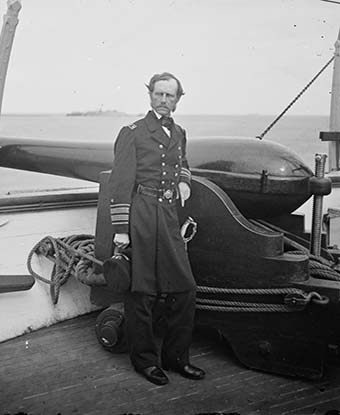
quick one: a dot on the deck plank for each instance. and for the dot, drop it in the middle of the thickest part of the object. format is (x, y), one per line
(63, 369)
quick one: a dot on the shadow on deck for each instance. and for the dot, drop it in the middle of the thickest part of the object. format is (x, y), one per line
(62, 370)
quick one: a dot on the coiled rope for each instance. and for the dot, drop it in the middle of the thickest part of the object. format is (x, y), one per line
(74, 256)
(294, 300)
(320, 268)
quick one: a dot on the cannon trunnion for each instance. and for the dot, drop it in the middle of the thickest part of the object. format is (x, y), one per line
(251, 288)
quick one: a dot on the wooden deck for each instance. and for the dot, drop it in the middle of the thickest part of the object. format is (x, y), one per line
(63, 370)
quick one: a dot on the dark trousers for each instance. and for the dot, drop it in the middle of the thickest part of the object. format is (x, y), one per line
(179, 313)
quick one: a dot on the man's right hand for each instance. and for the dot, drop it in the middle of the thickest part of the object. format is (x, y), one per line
(121, 240)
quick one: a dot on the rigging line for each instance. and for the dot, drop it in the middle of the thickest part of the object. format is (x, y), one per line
(332, 1)
(294, 100)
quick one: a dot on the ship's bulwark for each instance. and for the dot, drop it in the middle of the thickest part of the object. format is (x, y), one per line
(262, 178)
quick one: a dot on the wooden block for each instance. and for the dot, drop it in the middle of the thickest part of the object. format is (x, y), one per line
(329, 136)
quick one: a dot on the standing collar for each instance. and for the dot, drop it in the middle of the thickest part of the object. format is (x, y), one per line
(157, 115)
(154, 126)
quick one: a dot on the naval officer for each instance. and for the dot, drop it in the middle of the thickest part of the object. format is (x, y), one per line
(150, 172)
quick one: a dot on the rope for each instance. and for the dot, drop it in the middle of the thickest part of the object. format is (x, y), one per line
(326, 274)
(294, 100)
(294, 300)
(320, 268)
(258, 291)
(238, 306)
(267, 308)
(72, 256)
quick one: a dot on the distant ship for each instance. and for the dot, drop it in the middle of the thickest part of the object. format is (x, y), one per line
(100, 112)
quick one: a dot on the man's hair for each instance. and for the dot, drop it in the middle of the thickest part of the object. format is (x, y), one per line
(165, 76)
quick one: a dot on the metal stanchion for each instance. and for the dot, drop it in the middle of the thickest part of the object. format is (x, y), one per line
(319, 183)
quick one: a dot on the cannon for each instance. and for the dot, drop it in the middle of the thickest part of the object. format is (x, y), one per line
(258, 284)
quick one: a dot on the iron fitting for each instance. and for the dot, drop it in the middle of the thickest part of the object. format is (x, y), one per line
(320, 186)
(320, 164)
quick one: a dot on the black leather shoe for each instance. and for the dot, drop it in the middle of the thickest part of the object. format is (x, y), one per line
(188, 371)
(154, 374)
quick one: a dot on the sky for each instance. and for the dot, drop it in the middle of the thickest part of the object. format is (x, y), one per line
(232, 56)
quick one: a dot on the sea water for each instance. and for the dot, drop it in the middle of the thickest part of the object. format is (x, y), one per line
(299, 133)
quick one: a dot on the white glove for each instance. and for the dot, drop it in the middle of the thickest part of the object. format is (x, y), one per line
(121, 240)
(184, 192)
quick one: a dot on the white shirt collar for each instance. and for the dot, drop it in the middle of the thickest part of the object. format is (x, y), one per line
(158, 115)
(166, 130)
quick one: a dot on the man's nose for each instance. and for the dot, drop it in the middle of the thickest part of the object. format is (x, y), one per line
(163, 98)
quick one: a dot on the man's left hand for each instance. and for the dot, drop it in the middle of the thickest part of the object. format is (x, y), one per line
(184, 192)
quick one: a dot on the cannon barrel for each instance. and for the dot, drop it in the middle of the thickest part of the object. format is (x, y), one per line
(262, 178)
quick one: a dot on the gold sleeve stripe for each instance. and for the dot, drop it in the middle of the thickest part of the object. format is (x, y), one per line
(119, 213)
(116, 218)
(120, 205)
(116, 210)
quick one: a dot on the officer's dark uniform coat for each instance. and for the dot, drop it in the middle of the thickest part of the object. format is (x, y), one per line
(146, 156)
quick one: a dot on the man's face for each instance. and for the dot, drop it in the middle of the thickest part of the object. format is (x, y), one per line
(164, 96)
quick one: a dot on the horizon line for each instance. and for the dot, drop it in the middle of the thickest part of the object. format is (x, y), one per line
(142, 114)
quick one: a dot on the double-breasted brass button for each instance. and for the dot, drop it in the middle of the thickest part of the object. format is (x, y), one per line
(160, 199)
(163, 155)
(163, 164)
(164, 173)
(161, 146)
